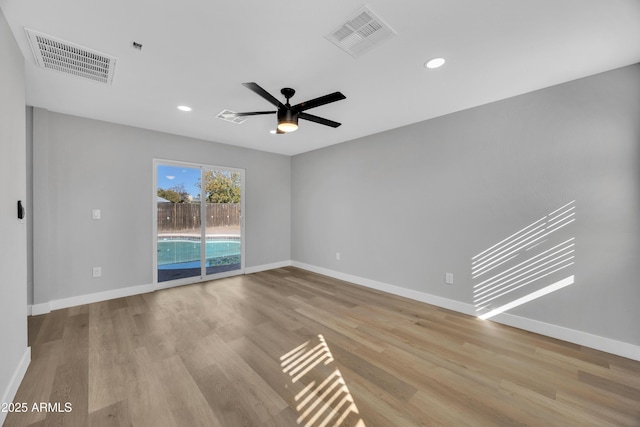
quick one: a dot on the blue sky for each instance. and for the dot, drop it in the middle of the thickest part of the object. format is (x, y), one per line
(171, 176)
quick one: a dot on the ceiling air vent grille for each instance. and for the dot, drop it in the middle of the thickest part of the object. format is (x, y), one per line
(60, 55)
(227, 115)
(362, 31)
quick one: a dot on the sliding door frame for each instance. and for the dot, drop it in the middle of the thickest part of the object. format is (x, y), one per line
(203, 276)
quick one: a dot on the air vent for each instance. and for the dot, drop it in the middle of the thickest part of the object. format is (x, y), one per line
(60, 55)
(227, 115)
(362, 31)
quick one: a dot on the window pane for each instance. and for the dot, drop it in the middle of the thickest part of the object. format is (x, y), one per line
(222, 197)
(179, 225)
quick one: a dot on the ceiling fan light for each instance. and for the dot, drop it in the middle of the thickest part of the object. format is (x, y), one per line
(287, 121)
(287, 127)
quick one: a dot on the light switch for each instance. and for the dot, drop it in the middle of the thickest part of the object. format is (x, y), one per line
(95, 214)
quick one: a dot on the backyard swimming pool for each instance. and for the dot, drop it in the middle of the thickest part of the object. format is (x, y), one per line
(180, 253)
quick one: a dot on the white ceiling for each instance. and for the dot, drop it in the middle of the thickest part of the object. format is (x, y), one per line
(198, 52)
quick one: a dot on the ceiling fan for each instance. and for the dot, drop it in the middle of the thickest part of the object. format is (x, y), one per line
(287, 114)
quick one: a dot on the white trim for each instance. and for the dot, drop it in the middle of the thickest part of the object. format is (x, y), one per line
(619, 348)
(100, 296)
(58, 304)
(47, 307)
(154, 221)
(38, 309)
(608, 345)
(16, 379)
(265, 267)
(392, 289)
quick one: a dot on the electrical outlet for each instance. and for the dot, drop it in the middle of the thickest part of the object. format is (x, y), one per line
(448, 278)
(95, 214)
(97, 271)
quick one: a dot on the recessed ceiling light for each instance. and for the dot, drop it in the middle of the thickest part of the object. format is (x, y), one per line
(434, 63)
(184, 108)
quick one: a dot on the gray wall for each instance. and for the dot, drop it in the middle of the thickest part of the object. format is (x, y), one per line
(81, 164)
(405, 206)
(13, 240)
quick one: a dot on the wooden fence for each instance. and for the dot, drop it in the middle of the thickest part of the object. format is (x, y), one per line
(186, 216)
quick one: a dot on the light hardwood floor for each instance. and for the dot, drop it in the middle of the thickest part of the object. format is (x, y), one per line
(287, 347)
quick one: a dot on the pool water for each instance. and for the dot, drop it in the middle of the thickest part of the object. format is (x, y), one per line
(183, 251)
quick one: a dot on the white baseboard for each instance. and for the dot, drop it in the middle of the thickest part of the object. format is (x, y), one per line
(38, 309)
(450, 304)
(100, 296)
(608, 345)
(58, 304)
(619, 348)
(47, 307)
(12, 388)
(265, 267)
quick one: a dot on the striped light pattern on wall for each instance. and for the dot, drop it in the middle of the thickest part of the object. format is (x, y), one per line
(529, 264)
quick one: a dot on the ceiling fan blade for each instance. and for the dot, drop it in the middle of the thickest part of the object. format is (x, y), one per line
(320, 120)
(250, 113)
(332, 97)
(263, 93)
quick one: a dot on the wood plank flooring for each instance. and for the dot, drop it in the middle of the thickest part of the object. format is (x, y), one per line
(288, 347)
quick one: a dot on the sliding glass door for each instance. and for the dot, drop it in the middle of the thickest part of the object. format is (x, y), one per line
(222, 227)
(198, 227)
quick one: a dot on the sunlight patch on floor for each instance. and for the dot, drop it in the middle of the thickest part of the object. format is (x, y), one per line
(325, 399)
